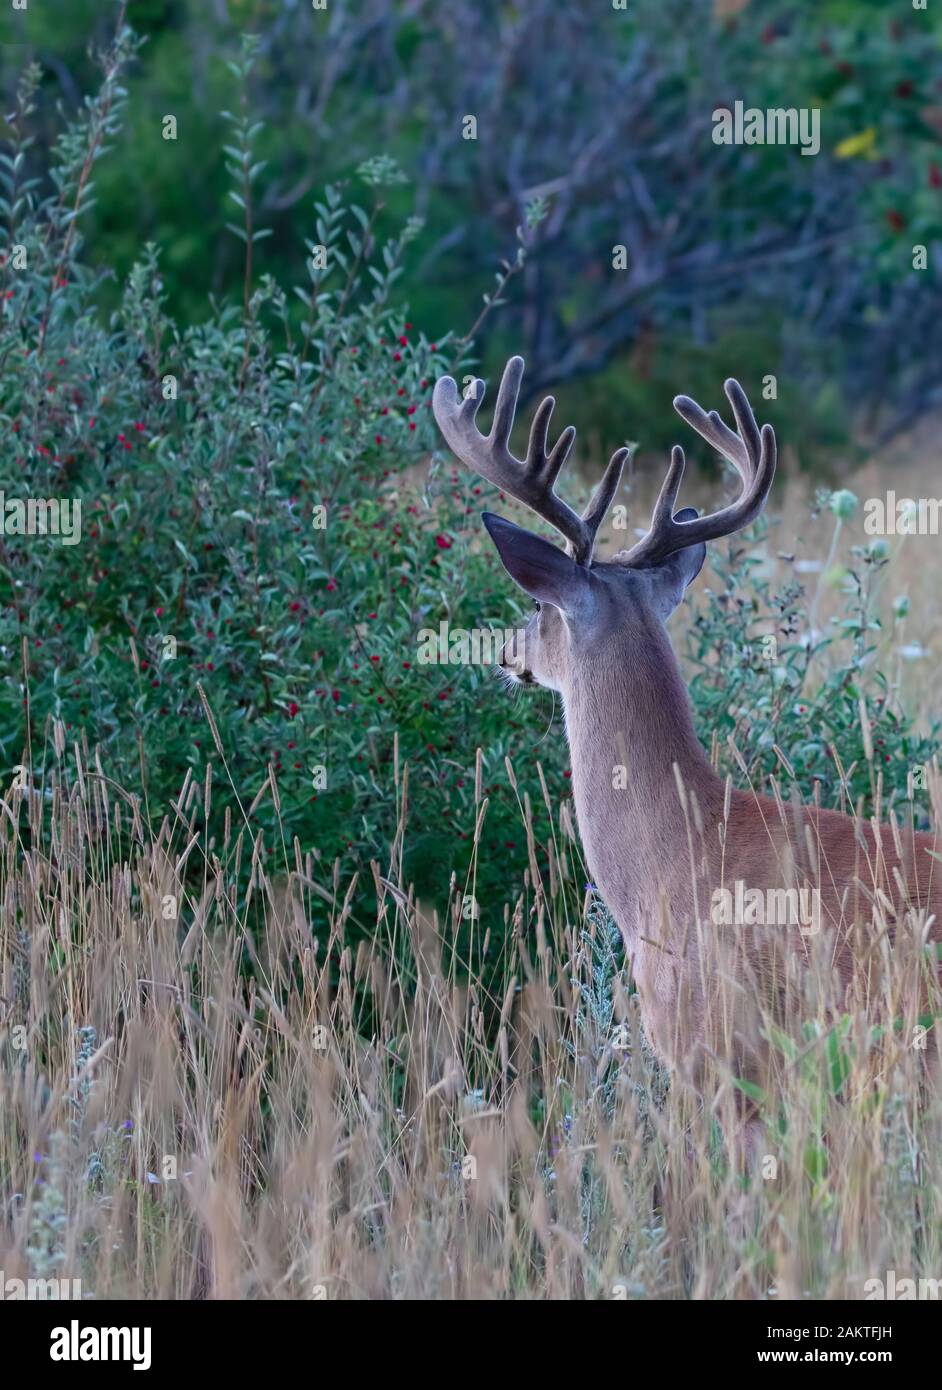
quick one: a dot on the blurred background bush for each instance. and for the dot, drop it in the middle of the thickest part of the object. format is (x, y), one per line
(802, 264)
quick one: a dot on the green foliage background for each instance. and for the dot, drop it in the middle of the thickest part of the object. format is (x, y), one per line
(298, 388)
(803, 264)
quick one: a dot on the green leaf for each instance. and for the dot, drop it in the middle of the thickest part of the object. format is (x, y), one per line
(750, 1089)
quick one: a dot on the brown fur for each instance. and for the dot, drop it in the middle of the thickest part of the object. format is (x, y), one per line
(659, 846)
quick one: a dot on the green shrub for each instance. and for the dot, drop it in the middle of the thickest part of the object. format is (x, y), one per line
(250, 527)
(810, 707)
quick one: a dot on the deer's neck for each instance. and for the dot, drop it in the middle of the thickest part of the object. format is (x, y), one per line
(629, 723)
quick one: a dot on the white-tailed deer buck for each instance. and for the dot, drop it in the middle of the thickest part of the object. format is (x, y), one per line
(665, 836)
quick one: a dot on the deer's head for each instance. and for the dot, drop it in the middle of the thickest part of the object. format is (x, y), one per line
(581, 606)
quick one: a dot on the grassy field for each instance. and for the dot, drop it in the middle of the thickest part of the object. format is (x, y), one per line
(207, 1091)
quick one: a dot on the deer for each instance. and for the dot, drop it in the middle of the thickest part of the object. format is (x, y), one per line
(662, 831)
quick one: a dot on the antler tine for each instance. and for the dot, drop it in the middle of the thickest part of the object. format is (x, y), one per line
(748, 430)
(604, 495)
(505, 411)
(752, 452)
(530, 480)
(743, 448)
(664, 506)
(547, 467)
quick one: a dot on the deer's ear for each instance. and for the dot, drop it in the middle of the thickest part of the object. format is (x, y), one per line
(678, 571)
(542, 570)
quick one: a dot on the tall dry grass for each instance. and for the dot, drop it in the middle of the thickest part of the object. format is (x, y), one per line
(349, 1116)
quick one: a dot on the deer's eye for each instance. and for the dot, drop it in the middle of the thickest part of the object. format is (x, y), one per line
(536, 604)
